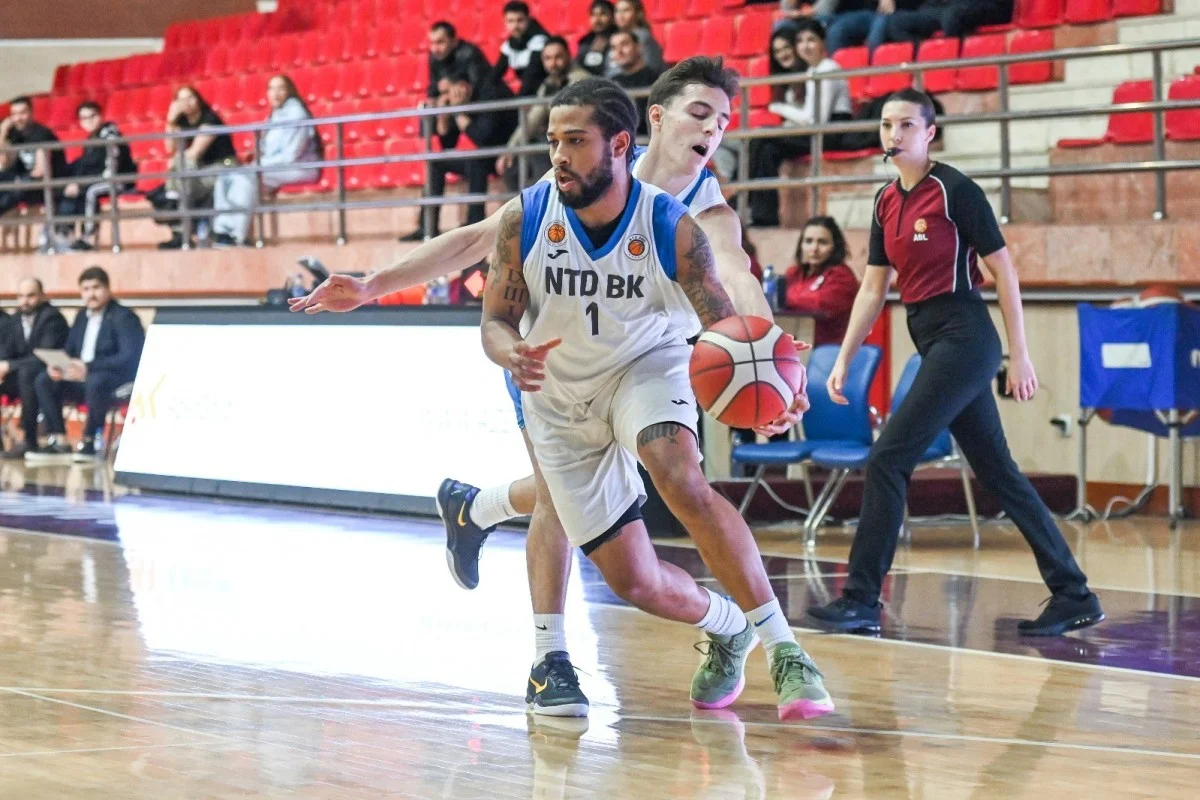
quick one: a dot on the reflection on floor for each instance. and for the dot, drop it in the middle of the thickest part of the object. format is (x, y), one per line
(169, 647)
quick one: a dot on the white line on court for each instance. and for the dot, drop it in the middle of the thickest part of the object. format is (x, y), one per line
(118, 715)
(83, 750)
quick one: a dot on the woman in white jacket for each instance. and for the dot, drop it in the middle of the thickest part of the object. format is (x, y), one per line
(236, 193)
(798, 108)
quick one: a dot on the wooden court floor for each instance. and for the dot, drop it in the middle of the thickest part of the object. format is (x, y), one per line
(170, 648)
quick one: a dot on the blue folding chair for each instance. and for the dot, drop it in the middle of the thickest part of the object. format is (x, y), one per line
(841, 460)
(825, 424)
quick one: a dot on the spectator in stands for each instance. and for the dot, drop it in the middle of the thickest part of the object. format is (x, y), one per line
(853, 22)
(819, 283)
(632, 71)
(105, 344)
(92, 170)
(631, 18)
(783, 59)
(954, 18)
(592, 49)
(37, 324)
(28, 163)
(293, 146)
(767, 154)
(191, 112)
(556, 62)
(522, 50)
(484, 128)
(448, 53)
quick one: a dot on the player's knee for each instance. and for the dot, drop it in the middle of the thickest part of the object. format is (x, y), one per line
(683, 486)
(638, 587)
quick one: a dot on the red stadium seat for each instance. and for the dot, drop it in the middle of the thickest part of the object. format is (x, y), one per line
(148, 166)
(116, 109)
(229, 29)
(382, 78)
(411, 35)
(760, 96)
(308, 46)
(704, 9)
(937, 81)
(61, 72)
(981, 79)
(382, 41)
(242, 56)
(408, 173)
(286, 55)
(716, 35)
(328, 83)
(353, 82)
(666, 10)
(133, 70)
(1032, 71)
(208, 33)
(1080, 12)
(1135, 128)
(305, 79)
(1038, 13)
(336, 47)
(138, 103)
(371, 130)
(217, 63)
(75, 76)
(855, 58)
(1136, 8)
(159, 101)
(681, 40)
(888, 55)
(1184, 126)
(753, 33)
(175, 36)
(262, 57)
(60, 111)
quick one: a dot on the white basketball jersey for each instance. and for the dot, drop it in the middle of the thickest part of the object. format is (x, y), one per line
(699, 196)
(610, 304)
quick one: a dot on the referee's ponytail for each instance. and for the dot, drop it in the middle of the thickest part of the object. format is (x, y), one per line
(917, 98)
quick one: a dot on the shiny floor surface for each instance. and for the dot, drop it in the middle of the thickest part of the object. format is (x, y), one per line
(171, 648)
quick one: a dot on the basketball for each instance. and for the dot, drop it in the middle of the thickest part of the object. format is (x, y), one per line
(745, 371)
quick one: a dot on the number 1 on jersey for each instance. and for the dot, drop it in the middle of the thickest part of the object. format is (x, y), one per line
(593, 311)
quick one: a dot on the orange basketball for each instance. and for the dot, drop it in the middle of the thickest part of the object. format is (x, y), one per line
(745, 371)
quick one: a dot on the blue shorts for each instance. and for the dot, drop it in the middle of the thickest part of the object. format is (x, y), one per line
(515, 394)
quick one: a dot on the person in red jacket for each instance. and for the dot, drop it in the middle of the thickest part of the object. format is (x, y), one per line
(820, 283)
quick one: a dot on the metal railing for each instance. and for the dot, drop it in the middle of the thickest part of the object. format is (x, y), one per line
(740, 136)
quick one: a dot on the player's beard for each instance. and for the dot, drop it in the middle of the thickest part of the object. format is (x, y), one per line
(591, 187)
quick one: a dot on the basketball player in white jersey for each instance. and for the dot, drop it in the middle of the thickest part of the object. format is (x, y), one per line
(583, 307)
(689, 111)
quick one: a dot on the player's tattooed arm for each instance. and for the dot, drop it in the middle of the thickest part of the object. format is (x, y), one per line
(696, 271)
(506, 294)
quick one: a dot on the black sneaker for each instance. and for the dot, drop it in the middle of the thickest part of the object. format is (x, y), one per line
(1063, 614)
(224, 240)
(174, 243)
(554, 688)
(82, 246)
(463, 537)
(85, 452)
(51, 453)
(847, 616)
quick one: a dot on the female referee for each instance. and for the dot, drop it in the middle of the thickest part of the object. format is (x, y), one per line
(931, 227)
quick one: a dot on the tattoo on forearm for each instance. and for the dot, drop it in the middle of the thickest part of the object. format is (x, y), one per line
(662, 430)
(506, 294)
(700, 283)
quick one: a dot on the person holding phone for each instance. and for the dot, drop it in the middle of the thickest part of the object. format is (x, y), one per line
(931, 228)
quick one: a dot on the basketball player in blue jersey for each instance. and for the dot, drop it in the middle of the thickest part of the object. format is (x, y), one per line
(689, 111)
(584, 308)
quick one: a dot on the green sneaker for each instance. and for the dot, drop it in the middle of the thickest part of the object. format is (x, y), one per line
(799, 684)
(720, 678)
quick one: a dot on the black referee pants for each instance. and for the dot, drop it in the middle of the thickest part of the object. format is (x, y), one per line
(960, 354)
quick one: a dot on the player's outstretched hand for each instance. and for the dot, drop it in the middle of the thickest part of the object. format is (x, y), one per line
(527, 363)
(336, 293)
(799, 405)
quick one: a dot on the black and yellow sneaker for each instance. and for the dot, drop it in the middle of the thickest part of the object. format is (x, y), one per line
(463, 537)
(553, 688)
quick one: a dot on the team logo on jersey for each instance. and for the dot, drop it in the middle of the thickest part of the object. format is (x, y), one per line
(556, 232)
(636, 247)
(919, 228)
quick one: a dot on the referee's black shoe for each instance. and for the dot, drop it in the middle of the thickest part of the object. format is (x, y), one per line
(463, 537)
(1062, 614)
(846, 615)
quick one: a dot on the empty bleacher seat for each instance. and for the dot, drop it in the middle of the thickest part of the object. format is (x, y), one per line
(855, 58)
(1135, 128)
(1032, 71)
(1184, 126)
(938, 80)
(1136, 8)
(752, 33)
(1079, 12)
(891, 54)
(981, 79)
(681, 40)
(716, 35)
(1038, 13)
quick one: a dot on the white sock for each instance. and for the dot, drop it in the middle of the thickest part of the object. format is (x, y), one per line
(771, 625)
(491, 507)
(549, 635)
(723, 617)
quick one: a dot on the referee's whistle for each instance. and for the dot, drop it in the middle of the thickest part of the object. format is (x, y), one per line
(891, 152)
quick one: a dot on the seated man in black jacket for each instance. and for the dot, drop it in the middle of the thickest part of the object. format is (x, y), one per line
(92, 170)
(37, 324)
(484, 128)
(106, 343)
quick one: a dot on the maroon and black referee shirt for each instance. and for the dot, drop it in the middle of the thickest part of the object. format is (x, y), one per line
(933, 234)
